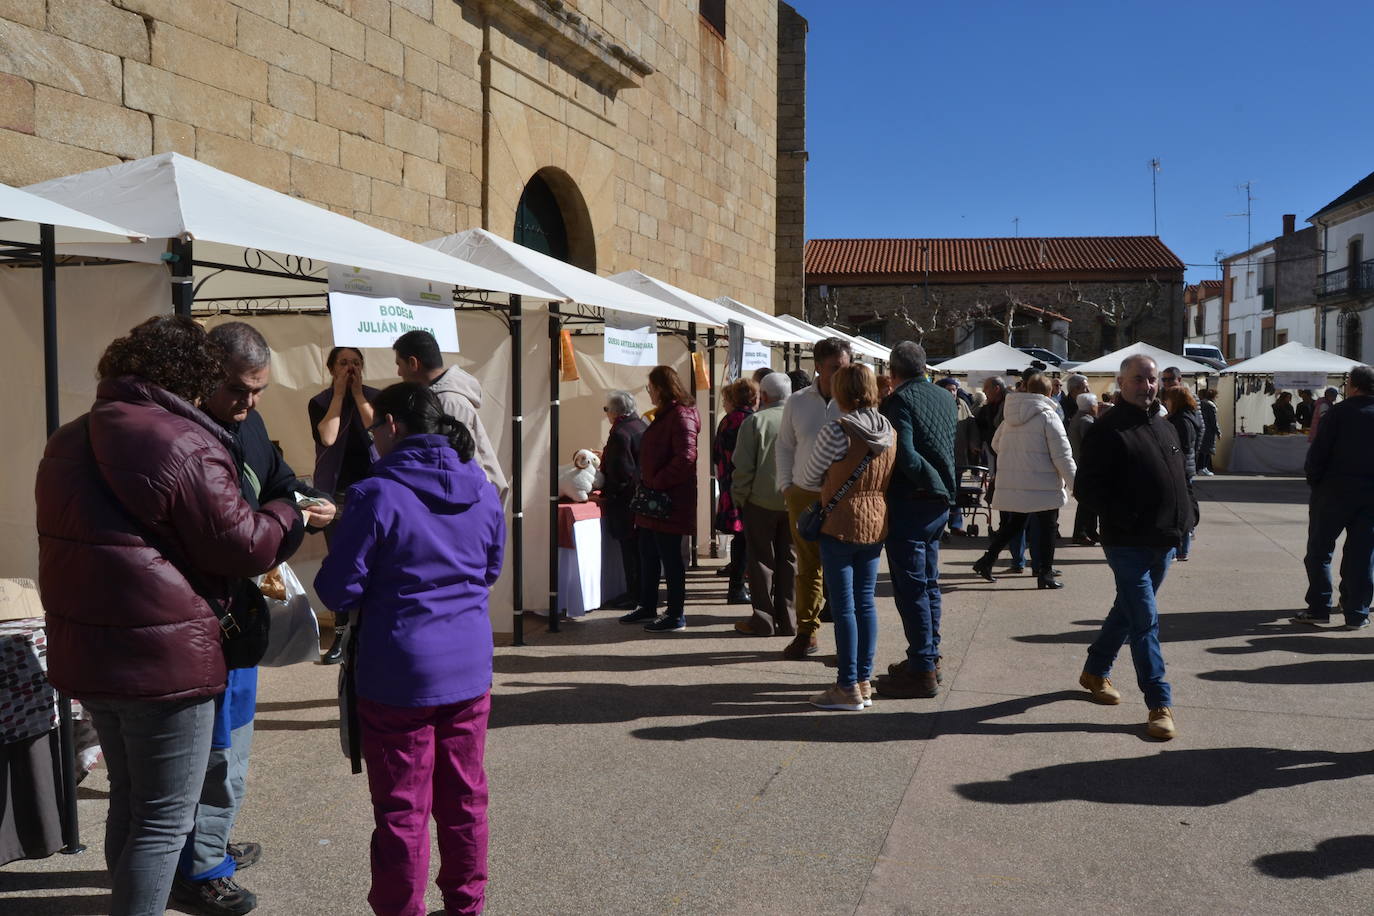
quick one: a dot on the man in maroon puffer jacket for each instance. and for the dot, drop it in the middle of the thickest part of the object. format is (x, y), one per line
(128, 634)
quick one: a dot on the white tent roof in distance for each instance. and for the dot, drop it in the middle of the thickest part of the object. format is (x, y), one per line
(71, 225)
(173, 196)
(1294, 357)
(553, 278)
(862, 344)
(996, 357)
(812, 332)
(1111, 363)
(781, 332)
(711, 313)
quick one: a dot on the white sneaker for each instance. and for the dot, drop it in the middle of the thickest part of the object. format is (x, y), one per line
(842, 698)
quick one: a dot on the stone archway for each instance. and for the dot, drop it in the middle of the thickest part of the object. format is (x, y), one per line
(552, 217)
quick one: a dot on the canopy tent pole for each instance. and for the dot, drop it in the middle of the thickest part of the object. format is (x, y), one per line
(66, 737)
(555, 359)
(517, 481)
(692, 369)
(183, 280)
(711, 465)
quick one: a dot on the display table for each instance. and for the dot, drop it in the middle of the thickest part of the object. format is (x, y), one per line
(30, 755)
(1268, 455)
(579, 558)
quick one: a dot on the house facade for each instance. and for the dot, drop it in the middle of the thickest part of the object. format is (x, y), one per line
(1345, 286)
(613, 134)
(1079, 297)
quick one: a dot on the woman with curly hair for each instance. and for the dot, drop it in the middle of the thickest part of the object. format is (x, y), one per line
(142, 532)
(741, 399)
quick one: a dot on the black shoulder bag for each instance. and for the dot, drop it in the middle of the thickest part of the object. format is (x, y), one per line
(813, 516)
(244, 620)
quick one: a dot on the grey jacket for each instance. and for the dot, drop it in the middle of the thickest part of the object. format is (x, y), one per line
(461, 397)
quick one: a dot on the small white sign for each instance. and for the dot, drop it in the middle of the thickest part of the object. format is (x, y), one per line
(630, 339)
(375, 283)
(376, 321)
(1298, 380)
(756, 356)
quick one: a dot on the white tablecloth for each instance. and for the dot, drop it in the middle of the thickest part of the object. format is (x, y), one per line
(579, 570)
(1268, 455)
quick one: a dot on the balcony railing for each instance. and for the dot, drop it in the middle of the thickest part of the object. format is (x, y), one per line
(1345, 282)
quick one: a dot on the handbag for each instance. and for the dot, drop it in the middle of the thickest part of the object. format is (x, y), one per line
(813, 517)
(350, 731)
(244, 621)
(651, 503)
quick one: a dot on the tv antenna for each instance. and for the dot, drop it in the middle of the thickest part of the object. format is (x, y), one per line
(1154, 191)
(1016, 226)
(1249, 210)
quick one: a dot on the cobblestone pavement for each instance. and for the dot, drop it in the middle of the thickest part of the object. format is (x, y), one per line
(684, 773)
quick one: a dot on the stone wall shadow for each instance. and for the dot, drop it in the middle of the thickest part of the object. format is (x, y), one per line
(1342, 855)
(1173, 778)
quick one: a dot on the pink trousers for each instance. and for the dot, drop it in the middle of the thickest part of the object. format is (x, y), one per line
(422, 760)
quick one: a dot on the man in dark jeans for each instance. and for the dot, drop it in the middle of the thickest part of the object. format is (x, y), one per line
(919, 497)
(1340, 471)
(1132, 474)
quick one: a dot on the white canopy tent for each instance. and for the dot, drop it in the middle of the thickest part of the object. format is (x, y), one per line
(783, 332)
(861, 344)
(993, 359)
(714, 313)
(23, 212)
(231, 220)
(1110, 364)
(803, 327)
(1294, 357)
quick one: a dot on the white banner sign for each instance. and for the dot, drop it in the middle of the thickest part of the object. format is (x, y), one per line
(1299, 380)
(630, 339)
(756, 356)
(373, 321)
(375, 283)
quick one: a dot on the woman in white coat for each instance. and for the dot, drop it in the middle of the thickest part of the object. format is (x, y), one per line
(1034, 474)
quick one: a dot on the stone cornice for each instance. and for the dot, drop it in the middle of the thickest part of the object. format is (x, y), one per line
(571, 38)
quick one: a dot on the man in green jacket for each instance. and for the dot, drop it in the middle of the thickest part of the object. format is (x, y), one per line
(918, 499)
(767, 531)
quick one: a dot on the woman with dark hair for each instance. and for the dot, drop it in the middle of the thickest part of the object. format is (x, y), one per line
(742, 398)
(1187, 421)
(142, 535)
(1211, 431)
(415, 556)
(667, 468)
(1035, 468)
(339, 418)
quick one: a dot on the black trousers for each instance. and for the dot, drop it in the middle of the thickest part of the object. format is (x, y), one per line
(1016, 523)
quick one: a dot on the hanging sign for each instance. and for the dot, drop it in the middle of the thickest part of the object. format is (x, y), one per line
(756, 356)
(734, 350)
(1299, 380)
(371, 309)
(630, 339)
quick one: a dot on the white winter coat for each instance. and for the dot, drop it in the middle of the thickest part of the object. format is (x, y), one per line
(1034, 464)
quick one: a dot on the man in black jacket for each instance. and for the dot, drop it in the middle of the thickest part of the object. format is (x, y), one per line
(1340, 471)
(1132, 474)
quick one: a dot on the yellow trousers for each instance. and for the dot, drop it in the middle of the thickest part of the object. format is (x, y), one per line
(808, 564)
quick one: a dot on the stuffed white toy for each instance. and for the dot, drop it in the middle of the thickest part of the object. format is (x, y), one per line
(576, 481)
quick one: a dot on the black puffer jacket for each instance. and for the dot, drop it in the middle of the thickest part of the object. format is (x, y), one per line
(1133, 475)
(1188, 424)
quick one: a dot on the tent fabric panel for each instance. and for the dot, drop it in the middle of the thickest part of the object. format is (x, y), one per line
(781, 332)
(995, 357)
(1294, 357)
(16, 204)
(1110, 364)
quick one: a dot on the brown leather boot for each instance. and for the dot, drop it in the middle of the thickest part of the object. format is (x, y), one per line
(908, 685)
(800, 648)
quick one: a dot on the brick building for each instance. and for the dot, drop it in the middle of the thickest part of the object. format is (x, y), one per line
(1080, 297)
(612, 133)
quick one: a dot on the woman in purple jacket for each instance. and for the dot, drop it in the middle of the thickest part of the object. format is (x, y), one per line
(414, 558)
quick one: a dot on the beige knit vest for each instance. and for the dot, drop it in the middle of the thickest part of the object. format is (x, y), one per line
(861, 516)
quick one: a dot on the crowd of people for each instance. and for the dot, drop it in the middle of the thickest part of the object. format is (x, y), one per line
(170, 497)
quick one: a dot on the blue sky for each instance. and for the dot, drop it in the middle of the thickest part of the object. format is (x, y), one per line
(949, 119)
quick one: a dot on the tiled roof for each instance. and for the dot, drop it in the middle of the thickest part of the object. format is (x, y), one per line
(1211, 286)
(1005, 255)
(1363, 188)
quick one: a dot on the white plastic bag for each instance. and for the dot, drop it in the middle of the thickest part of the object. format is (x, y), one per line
(295, 635)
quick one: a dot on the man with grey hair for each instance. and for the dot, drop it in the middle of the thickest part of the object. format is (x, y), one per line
(620, 475)
(919, 498)
(769, 552)
(1074, 385)
(805, 412)
(205, 877)
(1341, 475)
(1132, 475)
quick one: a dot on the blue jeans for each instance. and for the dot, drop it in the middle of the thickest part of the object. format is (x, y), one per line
(155, 753)
(206, 855)
(851, 573)
(913, 559)
(1331, 511)
(1139, 571)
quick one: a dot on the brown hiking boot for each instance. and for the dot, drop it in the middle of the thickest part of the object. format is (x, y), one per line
(900, 668)
(1101, 688)
(800, 648)
(1161, 724)
(908, 686)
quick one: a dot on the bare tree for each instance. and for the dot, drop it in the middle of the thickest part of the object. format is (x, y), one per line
(1116, 307)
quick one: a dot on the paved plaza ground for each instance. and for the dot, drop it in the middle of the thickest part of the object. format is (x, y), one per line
(684, 773)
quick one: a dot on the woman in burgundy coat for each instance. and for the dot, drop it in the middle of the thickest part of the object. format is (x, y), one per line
(142, 528)
(668, 465)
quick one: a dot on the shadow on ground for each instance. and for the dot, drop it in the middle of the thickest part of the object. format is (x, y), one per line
(1312, 642)
(511, 663)
(1292, 491)
(1184, 778)
(1192, 626)
(1328, 672)
(888, 720)
(1342, 855)
(97, 904)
